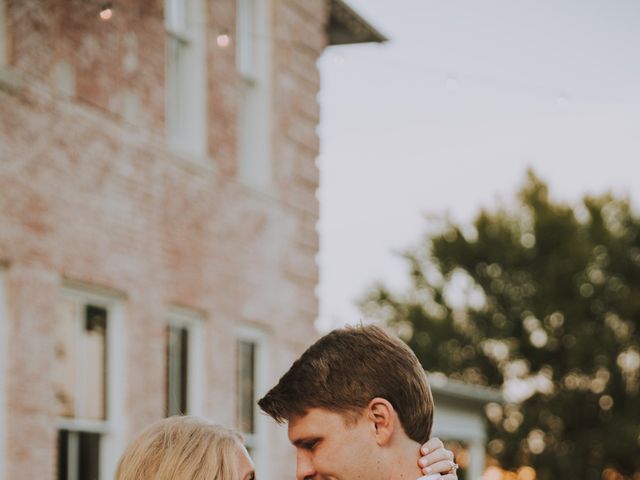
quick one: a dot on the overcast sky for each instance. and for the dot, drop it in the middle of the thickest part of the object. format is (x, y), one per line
(449, 114)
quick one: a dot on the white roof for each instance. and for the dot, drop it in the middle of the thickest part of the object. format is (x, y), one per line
(443, 387)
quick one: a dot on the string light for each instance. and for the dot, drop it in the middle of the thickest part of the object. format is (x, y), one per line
(106, 12)
(452, 81)
(223, 40)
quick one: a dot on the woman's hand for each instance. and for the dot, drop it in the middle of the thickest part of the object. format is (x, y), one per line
(437, 460)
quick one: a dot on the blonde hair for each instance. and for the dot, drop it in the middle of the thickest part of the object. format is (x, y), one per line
(182, 448)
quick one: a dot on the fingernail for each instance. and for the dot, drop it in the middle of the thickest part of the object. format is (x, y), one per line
(425, 450)
(422, 462)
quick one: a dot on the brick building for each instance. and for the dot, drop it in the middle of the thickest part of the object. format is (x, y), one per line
(157, 218)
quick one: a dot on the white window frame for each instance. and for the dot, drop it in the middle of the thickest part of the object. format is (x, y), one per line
(186, 94)
(4, 360)
(253, 60)
(4, 35)
(258, 440)
(112, 428)
(193, 322)
(248, 25)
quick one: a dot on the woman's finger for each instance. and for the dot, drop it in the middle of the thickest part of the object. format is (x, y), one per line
(436, 456)
(431, 445)
(445, 466)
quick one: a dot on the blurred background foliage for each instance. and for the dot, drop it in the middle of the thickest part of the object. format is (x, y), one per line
(541, 299)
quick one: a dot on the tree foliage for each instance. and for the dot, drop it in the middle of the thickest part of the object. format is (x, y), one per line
(543, 301)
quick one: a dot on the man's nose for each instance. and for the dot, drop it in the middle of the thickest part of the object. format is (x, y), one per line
(304, 467)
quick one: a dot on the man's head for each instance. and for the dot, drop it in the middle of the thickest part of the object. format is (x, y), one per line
(359, 385)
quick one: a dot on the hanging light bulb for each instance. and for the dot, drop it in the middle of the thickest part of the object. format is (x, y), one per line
(223, 39)
(106, 11)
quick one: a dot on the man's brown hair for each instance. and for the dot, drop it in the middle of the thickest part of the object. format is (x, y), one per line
(345, 370)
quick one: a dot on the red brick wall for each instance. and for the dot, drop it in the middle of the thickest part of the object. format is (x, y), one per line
(89, 196)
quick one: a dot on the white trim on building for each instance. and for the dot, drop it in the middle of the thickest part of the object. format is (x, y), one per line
(4, 54)
(253, 60)
(459, 416)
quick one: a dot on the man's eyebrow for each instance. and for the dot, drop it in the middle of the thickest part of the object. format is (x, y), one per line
(305, 442)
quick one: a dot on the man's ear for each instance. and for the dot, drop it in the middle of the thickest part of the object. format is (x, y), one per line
(384, 418)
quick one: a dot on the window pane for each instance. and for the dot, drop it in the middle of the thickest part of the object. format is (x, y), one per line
(78, 455)
(185, 114)
(89, 461)
(178, 83)
(3, 33)
(63, 455)
(246, 386)
(79, 370)
(64, 368)
(177, 370)
(92, 363)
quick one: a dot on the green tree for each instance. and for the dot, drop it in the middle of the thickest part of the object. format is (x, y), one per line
(542, 300)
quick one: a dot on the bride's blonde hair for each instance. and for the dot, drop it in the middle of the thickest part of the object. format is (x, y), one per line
(182, 448)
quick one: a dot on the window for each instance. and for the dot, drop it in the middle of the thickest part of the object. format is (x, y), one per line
(250, 384)
(246, 386)
(177, 369)
(83, 371)
(185, 79)
(247, 39)
(252, 60)
(3, 34)
(78, 455)
(184, 378)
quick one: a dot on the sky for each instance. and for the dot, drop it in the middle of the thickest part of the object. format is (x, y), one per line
(447, 117)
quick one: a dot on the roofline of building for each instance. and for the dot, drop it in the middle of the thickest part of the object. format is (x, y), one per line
(445, 387)
(346, 26)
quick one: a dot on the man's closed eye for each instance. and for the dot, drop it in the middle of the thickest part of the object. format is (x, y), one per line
(309, 445)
